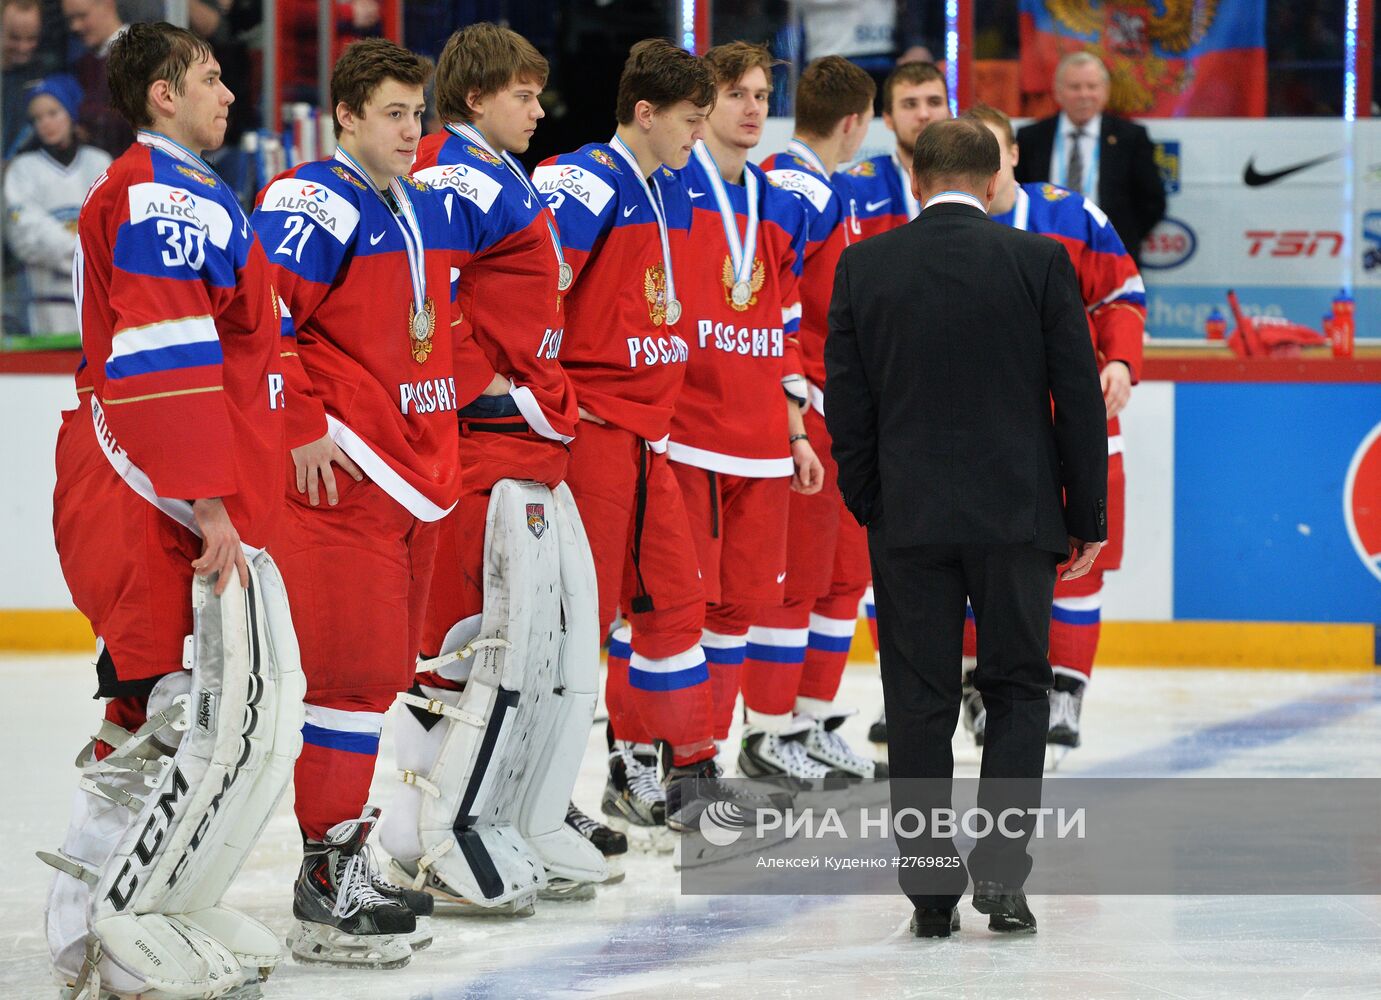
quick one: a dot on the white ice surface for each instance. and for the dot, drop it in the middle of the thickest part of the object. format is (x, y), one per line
(643, 939)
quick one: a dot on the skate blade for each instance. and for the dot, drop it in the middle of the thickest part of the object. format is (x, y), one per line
(566, 891)
(318, 944)
(1055, 755)
(460, 906)
(421, 938)
(647, 839)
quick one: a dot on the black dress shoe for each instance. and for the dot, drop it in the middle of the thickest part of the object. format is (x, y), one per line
(929, 923)
(1007, 911)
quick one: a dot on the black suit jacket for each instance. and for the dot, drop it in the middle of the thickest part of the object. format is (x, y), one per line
(1130, 190)
(948, 339)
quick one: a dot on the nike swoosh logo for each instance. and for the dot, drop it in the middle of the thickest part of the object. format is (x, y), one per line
(244, 228)
(527, 201)
(375, 238)
(873, 206)
(695, 194)
(629, 210)
(781, 577)
(1253, 178)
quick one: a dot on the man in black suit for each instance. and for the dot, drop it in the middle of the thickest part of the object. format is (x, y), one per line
(949, 338)
(1106, 158)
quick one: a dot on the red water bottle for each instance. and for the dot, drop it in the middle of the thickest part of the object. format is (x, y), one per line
(1216, 327)
(1344, 324)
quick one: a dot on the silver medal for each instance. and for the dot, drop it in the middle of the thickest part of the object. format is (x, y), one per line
(742, 293)
(565, 275)
(673, 312)
(421, 326)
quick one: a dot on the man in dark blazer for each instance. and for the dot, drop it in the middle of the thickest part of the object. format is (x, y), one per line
(1106, 158)
(949, 340)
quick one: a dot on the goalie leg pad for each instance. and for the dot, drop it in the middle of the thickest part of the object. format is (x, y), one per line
(468, 783)
(565, 729)
(168, 829)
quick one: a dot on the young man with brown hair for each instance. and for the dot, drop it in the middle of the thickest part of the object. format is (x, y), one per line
(738, 442)
(362, 259)
(913, 96)
(797, 651)
(513, 278)
(170, 466)
(624, 217)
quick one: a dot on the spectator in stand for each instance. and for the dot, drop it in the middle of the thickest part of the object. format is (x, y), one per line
(97, 24)
(1108, 159)
(21, 22)
(44, 190)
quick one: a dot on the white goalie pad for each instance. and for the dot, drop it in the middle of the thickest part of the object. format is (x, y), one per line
(542, 814)
(474, 763)
(161, 830)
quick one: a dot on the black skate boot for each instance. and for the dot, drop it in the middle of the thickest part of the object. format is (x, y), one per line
(877, 732)
(343, 920)
(418, 903)
(610, 842)
(634, 800)
(781, 759)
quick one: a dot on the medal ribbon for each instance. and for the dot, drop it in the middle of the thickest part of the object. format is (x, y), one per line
(406, 218)
(913, 207)
(466, 131)
(801, 151)
(658, 210)
(741, 250)
(158, 140)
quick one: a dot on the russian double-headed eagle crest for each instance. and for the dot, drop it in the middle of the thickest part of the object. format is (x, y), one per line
(1123, 33)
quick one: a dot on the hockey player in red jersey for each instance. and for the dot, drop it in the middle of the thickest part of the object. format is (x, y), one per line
(513, 278)
(1116, 301)
(624, 217)
(796, 652)
(362, 258)
(738, 441)
(171, 465)
(913, 96)
(880, 196)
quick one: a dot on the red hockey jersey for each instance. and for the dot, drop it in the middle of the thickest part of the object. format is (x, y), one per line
(179, 329)
(369, 365)
(731, 414)
(623, 349)
(509, 272)
(829, 231)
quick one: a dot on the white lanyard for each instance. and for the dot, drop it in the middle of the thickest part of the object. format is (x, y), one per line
(1062, 161)
(1022, 215)
(659, 211)
(406, 218)
(741, 251)
(913, 207)
(173, 148)
(801, 151)
(563, 270)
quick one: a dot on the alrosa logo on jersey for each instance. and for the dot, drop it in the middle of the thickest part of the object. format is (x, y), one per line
(808, 186)
(151, 200)
(1362, 501)
(648, 351)
(469, 182)
(428, 396)
(759, 342)
(559, 181)
(330, 211)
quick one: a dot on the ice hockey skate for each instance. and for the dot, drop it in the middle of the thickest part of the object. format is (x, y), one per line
(781, 759)
(973, 715)
(343, 920)
(699, 799)
(612, 844)
(826, 745)
(634, 801)
(877, 732)
(1066, 703)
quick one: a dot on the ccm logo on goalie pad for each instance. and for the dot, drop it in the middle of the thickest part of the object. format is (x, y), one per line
(537, 519)
(160, 823)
